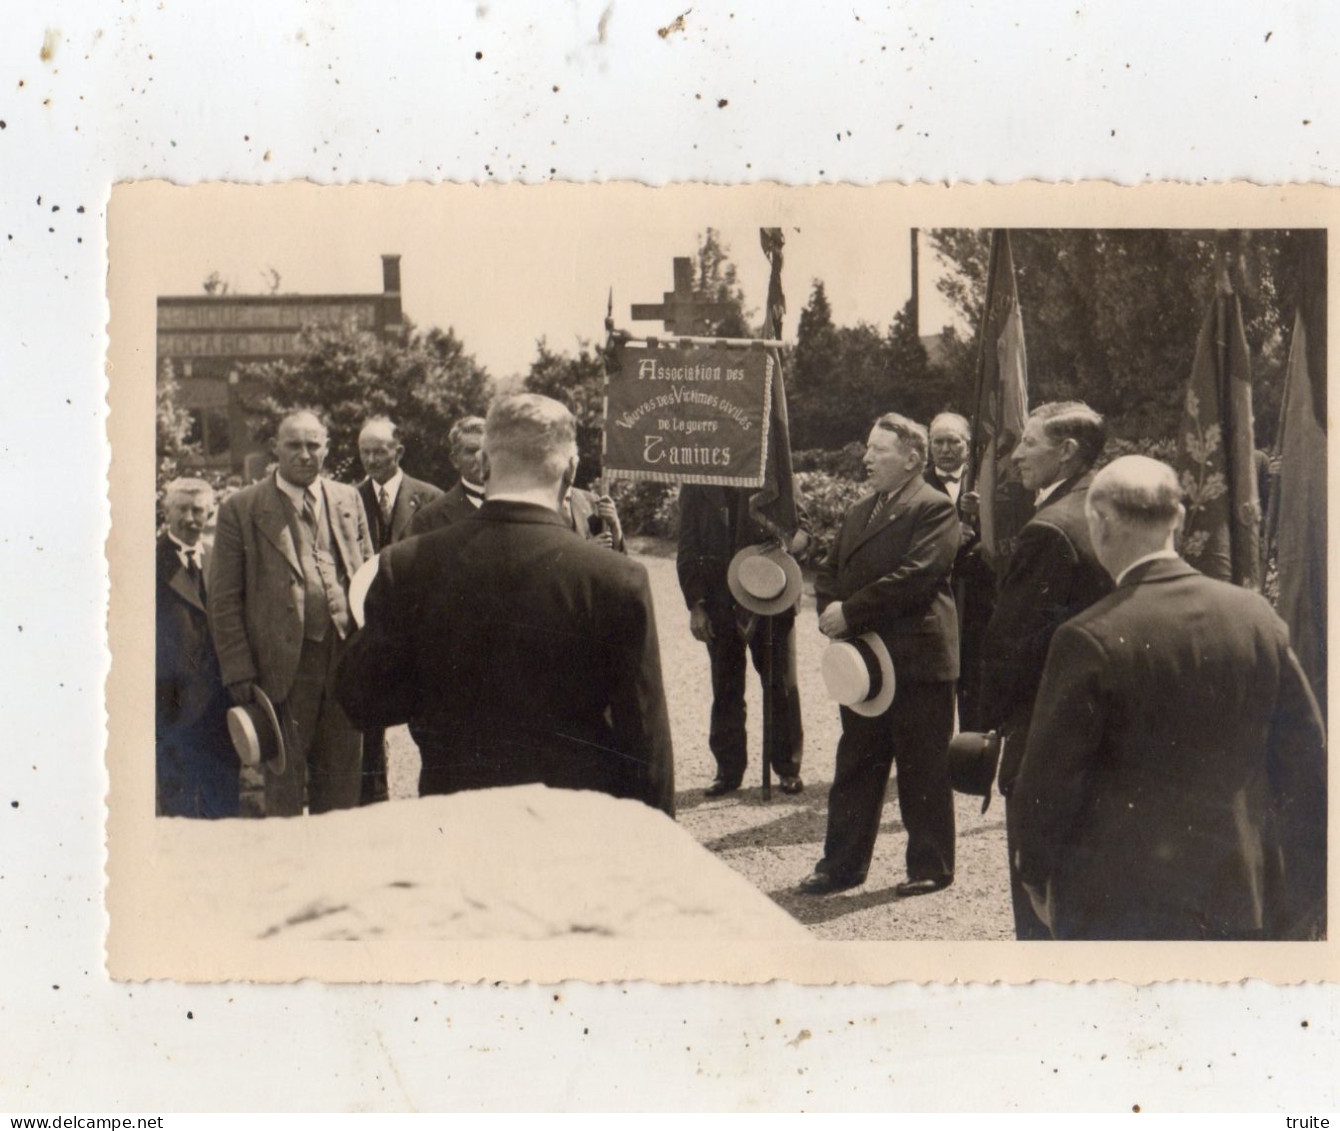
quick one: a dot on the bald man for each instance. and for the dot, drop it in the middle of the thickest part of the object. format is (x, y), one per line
(1174, 781)
(284, 552)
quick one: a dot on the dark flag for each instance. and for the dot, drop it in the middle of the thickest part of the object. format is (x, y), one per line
(1001, 408)
(1216, 452)
(774, 506)
(1298, 509)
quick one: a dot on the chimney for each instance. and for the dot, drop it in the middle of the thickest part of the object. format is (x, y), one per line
(392, 319)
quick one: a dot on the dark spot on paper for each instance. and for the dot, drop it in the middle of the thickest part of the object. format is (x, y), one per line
(55, 987)
(49, 41)
(722, 103)
(1135, 1108)
(479, 54)
(1268, 35)
(1112, 134)
(267, 156)
(1303, 1025)
(1307, 121)
(555, 88)
(677, 24)
(190, 1016)
(3, 125)
(55, 208)
(13, 804)
(80, 208)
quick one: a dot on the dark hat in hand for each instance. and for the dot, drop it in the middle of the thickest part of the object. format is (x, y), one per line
(858, 674)
(257, 736)
(764, 579)
(973, 758)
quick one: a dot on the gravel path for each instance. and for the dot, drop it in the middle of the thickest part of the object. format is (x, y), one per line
(775, 844)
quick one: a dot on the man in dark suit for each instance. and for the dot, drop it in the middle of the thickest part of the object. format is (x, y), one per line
(974, 582)
(284, 552)
(197, 768)
(714, 523)
(888, 573)
(1052, 575)
(391, 499)
(1174, 785)
(522, 652)
(467, 496)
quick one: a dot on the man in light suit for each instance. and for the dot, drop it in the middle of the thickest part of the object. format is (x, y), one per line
(197, 768)
(1052, 575)
(467, 496)
(523, 652)
(284, 552)
(391, 499)
(888, 573)
(1174, 784)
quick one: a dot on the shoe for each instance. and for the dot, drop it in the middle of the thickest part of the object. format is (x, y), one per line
(923, 887)
(721, 786)
(790, 783)
(821, 883)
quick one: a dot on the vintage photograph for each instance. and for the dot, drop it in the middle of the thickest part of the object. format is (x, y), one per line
(562, 581)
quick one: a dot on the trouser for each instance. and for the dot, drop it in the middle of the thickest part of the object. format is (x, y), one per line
(914, 734)
(1027, 926)
(726, 736)
(374, 786)
(197, 768)
(325, 752)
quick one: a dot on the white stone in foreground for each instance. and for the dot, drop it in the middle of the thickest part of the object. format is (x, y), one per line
(526, 863)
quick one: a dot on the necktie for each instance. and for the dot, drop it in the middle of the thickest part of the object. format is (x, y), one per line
(881, 501)
(193, 570)
(384, 496)
(309, 512)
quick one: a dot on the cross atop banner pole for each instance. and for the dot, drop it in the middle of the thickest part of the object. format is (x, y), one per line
(680, 312)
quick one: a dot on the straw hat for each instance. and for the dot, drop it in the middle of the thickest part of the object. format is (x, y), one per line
(764, 579)
(256, 733)
(858, 674)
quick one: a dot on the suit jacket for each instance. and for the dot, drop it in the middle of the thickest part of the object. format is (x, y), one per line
(1174, 784)
(522, 653)
(892, 578)
(255, 580)
(1053, 574)
(449, 507)
(413, 495)
(714, 524)
(186, 669)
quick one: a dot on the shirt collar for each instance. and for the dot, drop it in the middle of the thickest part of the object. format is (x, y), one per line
(1157, 555)
(391, 486)
(183, 550)
(295, 494)
(1046, 493)
(473, 492)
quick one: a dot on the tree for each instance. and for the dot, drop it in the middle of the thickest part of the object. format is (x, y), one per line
(579, 383)
(714, 280)
(172, 423)
(1111, 316)
(424, 382)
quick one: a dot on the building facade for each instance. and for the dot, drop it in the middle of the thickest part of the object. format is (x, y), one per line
(204, 340)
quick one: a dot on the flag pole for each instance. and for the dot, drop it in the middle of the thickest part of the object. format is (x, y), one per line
(970, 476)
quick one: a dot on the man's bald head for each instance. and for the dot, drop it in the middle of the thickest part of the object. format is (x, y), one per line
(530, 438)
(1140, 491)
(1134, 508)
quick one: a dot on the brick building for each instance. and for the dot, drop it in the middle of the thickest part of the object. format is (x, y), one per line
(206, 338)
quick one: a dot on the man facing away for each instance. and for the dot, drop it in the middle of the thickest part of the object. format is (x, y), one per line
(391, 499)
(1052, 575)
(522, 652)
(197, 768)
(284, 552)
(888, 573)
(974, 583)
(1174, 784)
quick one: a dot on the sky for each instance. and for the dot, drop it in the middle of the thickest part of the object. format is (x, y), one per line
(506, 265)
